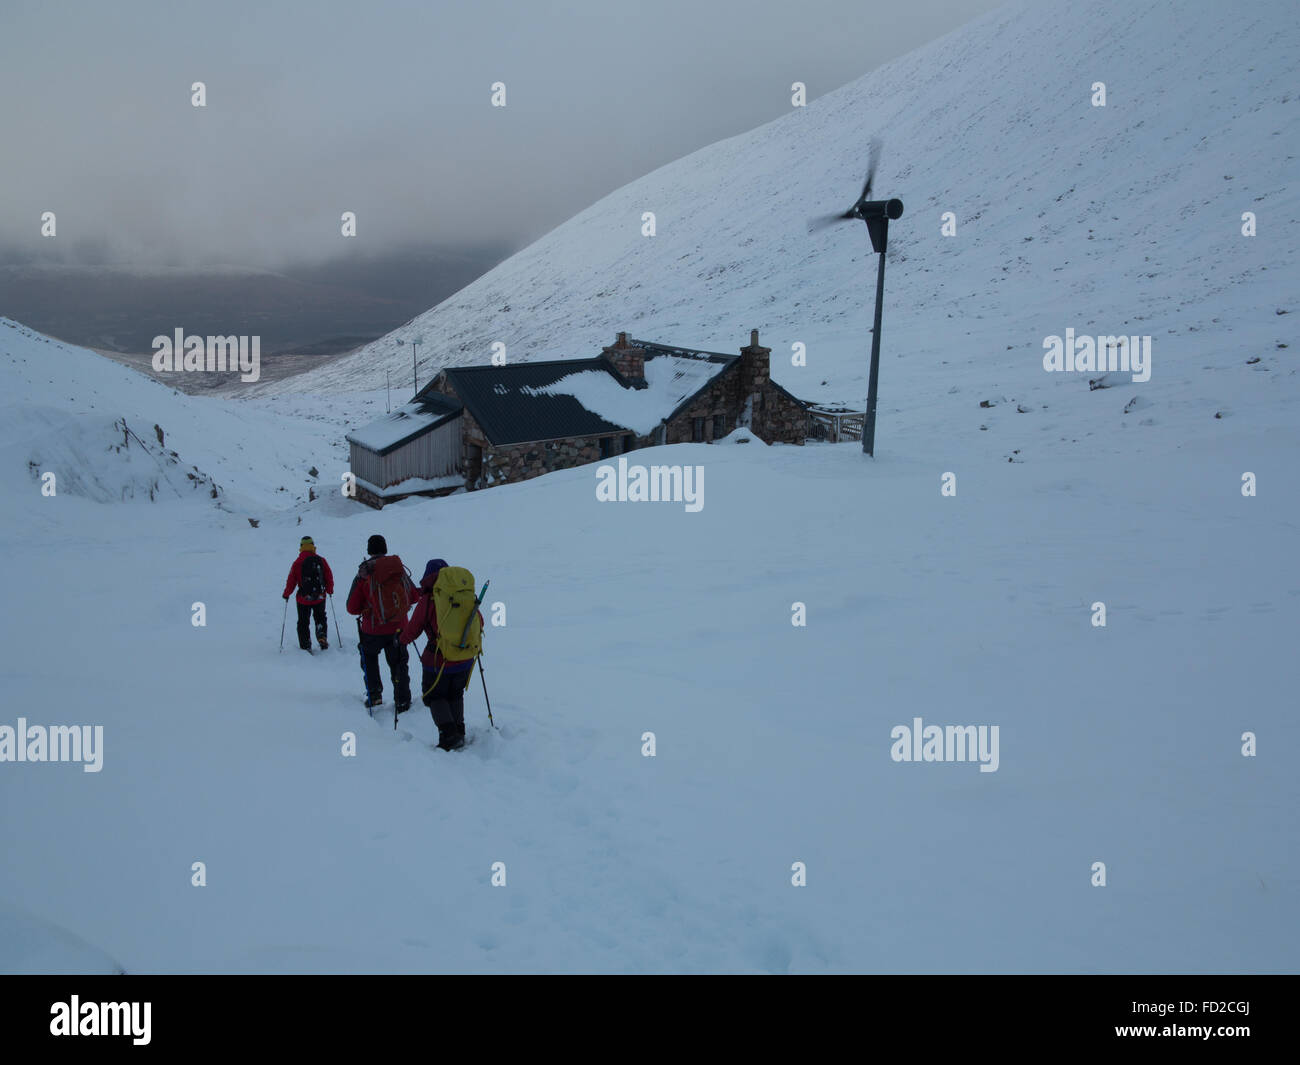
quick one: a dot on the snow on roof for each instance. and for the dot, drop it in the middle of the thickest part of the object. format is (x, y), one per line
(670, 379)
(413, 484)
(393, 428)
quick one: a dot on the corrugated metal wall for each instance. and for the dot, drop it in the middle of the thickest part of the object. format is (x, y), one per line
(435, 454)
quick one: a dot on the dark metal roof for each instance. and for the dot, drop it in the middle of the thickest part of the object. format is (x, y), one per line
(502, 400)
(652, 349)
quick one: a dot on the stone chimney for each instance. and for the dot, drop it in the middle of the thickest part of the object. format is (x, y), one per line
(755, 365)
(626, 359)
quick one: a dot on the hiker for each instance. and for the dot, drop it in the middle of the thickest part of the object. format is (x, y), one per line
(446, 678)
(381, 594)
(311, 575)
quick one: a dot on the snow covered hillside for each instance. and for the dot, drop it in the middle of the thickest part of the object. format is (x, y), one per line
(96, 425)
(1122, 219)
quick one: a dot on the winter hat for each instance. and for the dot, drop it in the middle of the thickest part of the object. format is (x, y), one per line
(431, 572)
(306, 544)
(377, 545)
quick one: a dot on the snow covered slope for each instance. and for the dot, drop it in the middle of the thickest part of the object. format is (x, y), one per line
(1123, 219)
(1119, 744)
(35, 947)
(95, 425)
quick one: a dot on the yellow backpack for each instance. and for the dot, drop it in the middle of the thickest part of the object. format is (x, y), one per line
(455, 605)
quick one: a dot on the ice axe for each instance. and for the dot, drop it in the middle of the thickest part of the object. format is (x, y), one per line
(464, 636)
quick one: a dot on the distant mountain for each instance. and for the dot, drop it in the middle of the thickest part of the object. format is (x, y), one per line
(318, 309)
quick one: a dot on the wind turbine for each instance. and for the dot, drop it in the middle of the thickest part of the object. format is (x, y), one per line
(876, 213)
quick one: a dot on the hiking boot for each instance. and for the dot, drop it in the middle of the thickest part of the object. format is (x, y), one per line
(374, 700)
(446, 739)
(403, 707)
(324, 644)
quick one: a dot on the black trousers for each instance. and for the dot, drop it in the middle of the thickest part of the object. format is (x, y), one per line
(398, 666)
(305, 611)
(446, 700)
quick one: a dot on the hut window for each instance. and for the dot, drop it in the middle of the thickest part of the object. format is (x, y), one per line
(697, 430)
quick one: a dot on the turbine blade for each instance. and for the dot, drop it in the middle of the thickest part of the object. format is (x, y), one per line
(822, 221)
(873, 160)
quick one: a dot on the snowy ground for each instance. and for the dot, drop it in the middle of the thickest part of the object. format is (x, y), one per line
(1118, 744)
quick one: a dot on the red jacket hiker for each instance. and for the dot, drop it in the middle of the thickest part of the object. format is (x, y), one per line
(377, 569)
(424, 621)
(295, 578)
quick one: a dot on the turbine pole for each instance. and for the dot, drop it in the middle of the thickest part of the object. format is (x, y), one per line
(876, 213)
(869, 425)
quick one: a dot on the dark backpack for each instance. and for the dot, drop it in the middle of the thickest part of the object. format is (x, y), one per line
(311, 580)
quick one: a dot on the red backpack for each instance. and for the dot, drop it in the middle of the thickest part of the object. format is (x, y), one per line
(391, 590)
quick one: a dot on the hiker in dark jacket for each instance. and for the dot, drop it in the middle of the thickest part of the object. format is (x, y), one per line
(381, 595)
(444, 694)
(311, 575)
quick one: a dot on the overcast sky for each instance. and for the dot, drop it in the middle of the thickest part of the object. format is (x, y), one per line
(384, 109)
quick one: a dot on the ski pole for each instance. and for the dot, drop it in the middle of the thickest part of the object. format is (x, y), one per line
(485, 694)
(338, 633)
(397, 639)
(282, 621)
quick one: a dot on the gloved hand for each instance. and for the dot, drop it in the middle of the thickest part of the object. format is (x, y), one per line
(286, 595)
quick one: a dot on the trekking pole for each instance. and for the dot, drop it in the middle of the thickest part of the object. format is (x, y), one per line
(338, 633)
(485, 694)
(282, 621)
(397, 639)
